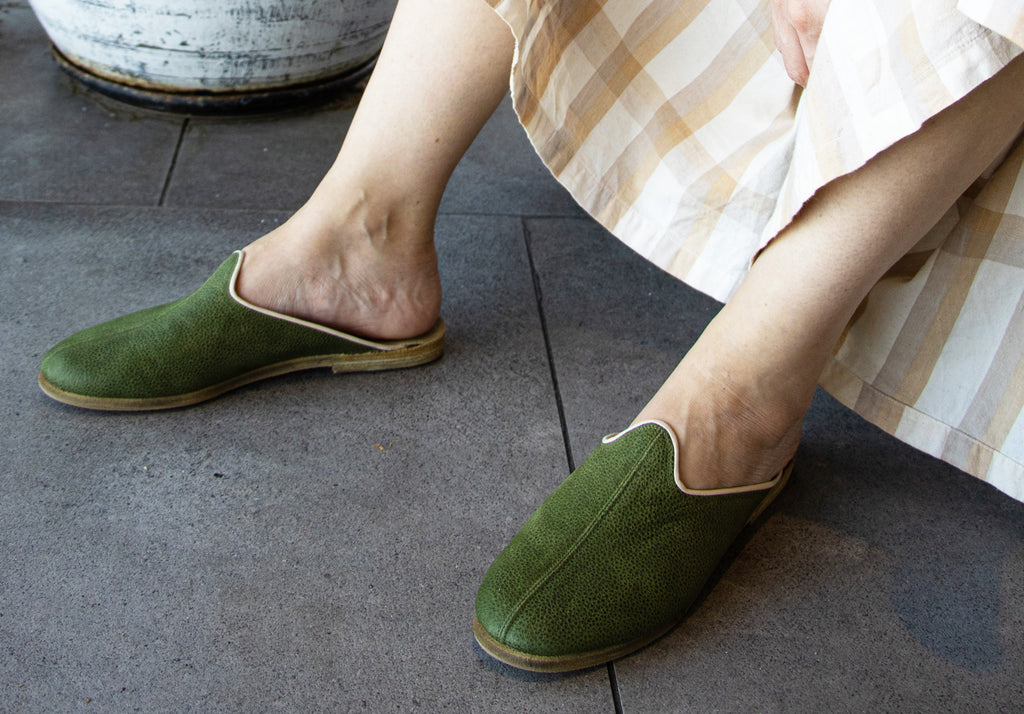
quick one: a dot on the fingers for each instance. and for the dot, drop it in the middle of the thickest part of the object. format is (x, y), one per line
(796, 25)
(787, 41)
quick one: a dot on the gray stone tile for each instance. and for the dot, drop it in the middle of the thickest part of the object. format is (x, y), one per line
(266, 162)
(881, 579)
(313, 543)
(277, 161)
(501, 173)
(60, 142)
(618, 325)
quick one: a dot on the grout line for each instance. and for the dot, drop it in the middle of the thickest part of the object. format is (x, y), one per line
(260, 209)
(612, 679)
(547, 346)
(520, 214)
(174, 161)
(616, 697)
(7, 202)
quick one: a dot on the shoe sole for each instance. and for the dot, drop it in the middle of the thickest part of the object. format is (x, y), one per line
(585, 660)
(418, 351)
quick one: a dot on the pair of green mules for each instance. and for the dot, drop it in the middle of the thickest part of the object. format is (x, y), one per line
(611, 561)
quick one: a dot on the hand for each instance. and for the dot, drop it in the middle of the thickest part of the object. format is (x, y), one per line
(797, 25)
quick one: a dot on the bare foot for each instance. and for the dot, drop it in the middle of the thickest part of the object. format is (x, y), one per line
(733, 429)
(373, 277)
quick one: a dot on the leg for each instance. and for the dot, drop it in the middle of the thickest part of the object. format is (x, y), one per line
(738, 398)
(359, 255)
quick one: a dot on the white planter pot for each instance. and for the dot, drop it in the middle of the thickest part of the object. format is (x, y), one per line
(211, 47)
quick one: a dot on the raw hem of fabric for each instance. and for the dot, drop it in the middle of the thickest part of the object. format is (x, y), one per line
(633, 228)
(1000, 470)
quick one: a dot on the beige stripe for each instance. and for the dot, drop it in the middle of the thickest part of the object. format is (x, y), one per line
(1004, 231)
(819, 108)
(674, 124)
(984, 227)
(683, 261)
(1000, 399)
(979, 458)
(842, 383)
(718, 194)
(619, 72)
(857, 314)
(914, 57)
(622, 68)
(930, 321)
(904, 270)
(879, 409)
(1009, 409)
(1008, 243)
(915, 378)
(560, 26)
(964, 452)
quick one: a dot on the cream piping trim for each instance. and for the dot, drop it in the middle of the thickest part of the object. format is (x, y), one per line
(383, 346)
(675, 465)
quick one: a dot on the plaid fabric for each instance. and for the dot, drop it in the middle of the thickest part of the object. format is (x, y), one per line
(675, 125)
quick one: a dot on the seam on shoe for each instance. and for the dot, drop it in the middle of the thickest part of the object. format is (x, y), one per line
(62, 347)
(163, 306)
(557, 567)
(382, 346)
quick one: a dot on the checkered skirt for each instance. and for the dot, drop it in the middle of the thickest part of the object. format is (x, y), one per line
(674, 125)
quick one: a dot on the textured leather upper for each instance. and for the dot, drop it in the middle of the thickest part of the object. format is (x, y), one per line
(615, 553)
(184, 346)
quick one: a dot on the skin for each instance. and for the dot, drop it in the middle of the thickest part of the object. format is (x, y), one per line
(796, 25)
(359, 255)
(763, 353)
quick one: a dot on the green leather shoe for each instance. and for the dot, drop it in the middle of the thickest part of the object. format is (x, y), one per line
(205, 344)
(613, 559)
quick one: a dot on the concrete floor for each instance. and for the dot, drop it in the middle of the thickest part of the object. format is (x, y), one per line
(314, 543)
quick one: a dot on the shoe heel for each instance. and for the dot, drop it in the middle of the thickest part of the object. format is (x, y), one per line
(772, 493)
(411, 356)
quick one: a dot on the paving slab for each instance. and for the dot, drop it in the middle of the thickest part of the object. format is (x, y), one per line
(310, 543)
(61, 142)
(618, 324)
(273, 161)
(314, 543)
(276, 161)
(881, 580)
(501, 173)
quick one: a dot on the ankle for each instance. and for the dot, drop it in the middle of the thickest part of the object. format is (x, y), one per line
(731, 432)
(349, 265)
(378, 211)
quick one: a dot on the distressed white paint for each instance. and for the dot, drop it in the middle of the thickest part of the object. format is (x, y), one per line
(216, 45)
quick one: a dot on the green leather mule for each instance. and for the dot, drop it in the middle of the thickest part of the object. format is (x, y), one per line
(613, 559)
(205, 344)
